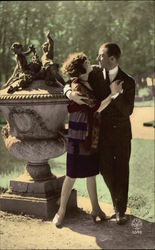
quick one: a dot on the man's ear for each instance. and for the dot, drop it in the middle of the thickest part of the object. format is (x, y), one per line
(112, 58)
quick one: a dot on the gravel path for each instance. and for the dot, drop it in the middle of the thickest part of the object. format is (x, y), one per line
(79, 232)
(139, 116)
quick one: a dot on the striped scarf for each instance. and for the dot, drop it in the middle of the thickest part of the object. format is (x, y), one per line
(89, 129)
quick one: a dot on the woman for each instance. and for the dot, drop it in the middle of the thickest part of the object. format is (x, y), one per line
(82, 157)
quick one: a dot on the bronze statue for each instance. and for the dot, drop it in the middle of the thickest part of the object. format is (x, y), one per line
(21, 62)
(48, 51)
(25, 73)
(50, 67)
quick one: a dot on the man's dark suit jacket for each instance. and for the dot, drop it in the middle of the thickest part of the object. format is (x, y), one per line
(115, 121)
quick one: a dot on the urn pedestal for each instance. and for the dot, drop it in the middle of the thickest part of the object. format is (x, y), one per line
(35, 132)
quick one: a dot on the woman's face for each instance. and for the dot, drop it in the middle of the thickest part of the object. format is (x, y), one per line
(87, 66)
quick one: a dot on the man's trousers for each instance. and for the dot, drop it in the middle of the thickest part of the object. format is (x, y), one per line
(114, 166)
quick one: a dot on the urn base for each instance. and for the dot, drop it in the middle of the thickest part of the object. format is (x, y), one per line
(39, 171)
(44, 208)
(29, 188)
(39, 199)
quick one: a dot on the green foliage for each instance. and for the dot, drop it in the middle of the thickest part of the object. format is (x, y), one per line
(79, 26)
(2, 120)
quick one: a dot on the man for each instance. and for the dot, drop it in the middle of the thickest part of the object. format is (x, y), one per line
(115, 131)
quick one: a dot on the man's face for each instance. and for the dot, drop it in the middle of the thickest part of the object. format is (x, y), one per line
(103, 58)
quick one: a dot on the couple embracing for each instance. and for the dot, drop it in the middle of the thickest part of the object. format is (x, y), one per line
(99, 137)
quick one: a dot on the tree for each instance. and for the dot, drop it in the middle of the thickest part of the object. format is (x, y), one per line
(79, 26)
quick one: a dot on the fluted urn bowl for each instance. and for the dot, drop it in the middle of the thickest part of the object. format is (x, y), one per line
(35, 125)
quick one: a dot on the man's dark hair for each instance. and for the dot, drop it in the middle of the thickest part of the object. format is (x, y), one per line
(73, 65)
(113, 49)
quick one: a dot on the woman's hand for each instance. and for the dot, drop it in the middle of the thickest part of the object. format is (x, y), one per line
(73, 95)
(116, 87)
(78, 98)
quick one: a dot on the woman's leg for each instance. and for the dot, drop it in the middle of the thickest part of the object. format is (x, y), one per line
(92, 191)
(65, 194)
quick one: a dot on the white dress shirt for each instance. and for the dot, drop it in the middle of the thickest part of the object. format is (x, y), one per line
(112, 74)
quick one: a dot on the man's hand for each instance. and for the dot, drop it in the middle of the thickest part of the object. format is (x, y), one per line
(116, 87)
(76, 97)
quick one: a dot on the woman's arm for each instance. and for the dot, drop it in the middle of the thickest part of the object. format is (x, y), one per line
(125, 101)
(104, 104)
(74, 95)
(117, 86)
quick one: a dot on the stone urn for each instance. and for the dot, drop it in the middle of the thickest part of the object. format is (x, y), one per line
(35, 132)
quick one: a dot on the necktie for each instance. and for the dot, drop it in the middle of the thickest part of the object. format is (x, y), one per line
(107, 77)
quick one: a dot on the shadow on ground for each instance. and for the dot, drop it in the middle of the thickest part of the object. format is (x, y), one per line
(136, 234)
(78, 232)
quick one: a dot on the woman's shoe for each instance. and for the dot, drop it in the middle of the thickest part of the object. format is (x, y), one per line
(98, 214)
(57, 220)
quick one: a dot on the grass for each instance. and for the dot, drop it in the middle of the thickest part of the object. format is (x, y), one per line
(144, 104)
(141, 188)
(143, 92)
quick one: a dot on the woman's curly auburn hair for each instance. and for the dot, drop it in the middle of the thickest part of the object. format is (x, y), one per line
(73, 65)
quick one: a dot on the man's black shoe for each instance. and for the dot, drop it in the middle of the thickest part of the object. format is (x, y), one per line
(113, 216)
(121, 219)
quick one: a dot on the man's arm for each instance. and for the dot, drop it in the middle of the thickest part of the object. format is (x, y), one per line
(74, 95)
(125, 101)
